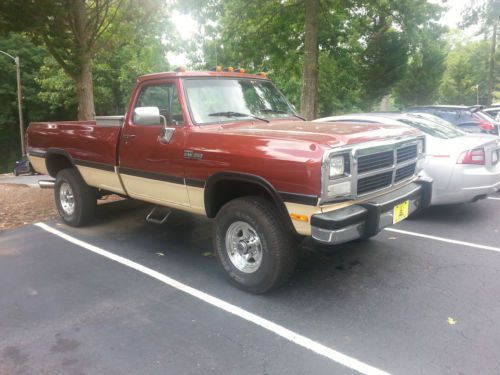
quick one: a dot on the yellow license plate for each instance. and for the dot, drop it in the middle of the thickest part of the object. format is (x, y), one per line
(400, 212)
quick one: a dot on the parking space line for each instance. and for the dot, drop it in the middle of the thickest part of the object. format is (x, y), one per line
(277, 329)
(442, 239)
(493, 198)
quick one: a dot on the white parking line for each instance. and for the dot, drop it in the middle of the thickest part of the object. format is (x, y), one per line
(442, 239)
(279, 330)
(493, 198)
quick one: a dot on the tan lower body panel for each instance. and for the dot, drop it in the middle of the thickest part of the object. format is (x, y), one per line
(98, 178)
(163, 193)
(38, 164)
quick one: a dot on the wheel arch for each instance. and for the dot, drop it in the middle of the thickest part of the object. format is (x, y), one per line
(57, 159)
(223, 187)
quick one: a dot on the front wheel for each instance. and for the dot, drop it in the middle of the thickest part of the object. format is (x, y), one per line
(75, 200)
(252, 244)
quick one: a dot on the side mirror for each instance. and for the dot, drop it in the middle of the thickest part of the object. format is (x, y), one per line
(147, 116)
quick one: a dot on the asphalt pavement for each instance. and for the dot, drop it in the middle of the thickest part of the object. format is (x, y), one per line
(398, 303)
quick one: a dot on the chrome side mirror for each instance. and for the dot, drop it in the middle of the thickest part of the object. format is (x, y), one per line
(147, 116)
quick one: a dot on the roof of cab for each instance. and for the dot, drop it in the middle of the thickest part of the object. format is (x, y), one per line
(201, 74)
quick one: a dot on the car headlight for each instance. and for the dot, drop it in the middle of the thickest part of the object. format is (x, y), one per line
(337, 166)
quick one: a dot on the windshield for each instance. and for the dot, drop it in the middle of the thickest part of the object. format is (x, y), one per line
(227, 99)
(435, 129)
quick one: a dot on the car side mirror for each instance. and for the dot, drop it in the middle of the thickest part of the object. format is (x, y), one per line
(147, 116)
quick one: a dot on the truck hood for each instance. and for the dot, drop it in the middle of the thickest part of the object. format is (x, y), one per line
(324, 133)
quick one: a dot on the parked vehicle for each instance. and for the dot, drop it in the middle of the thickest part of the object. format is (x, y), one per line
(468, 118)
(228, 145)
(493, 112)
(22, 166)
(464, 167)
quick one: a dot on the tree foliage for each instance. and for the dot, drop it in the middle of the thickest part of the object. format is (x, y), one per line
(74, 31)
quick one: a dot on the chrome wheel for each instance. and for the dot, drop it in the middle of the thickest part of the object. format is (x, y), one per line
(244, 247)
(66, 198)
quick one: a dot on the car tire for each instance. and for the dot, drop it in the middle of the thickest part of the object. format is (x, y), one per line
(75, 200)
(14, 172)
(253, 246)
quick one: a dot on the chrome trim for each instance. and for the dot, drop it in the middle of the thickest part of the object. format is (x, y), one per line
(368, 148)
(46, 184)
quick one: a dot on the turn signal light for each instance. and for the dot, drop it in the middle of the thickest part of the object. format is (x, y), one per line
(299, 217)
(475, 156)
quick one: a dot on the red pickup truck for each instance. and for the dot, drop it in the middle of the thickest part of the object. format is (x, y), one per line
(229, 146)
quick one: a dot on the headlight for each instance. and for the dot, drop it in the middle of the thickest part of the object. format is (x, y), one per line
(337, 166)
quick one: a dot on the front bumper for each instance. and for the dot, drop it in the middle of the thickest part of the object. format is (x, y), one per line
(366, 219)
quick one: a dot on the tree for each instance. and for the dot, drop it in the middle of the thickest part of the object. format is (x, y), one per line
(310, 69)
(324, 73)
(74, 31)
(487, 16)
(34, 109)
(466, 68)
(424, 71)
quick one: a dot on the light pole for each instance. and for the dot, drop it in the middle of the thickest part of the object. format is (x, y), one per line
(19, 98)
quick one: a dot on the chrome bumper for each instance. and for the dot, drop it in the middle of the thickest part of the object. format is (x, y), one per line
(368, 218)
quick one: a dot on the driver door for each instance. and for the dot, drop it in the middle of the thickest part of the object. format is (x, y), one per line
(151, 167)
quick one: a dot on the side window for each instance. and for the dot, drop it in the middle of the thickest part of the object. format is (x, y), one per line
(164, 97)
(448, 115)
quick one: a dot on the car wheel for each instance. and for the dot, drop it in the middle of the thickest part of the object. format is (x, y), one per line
(75, 200)
(255, 250)
(15, 173)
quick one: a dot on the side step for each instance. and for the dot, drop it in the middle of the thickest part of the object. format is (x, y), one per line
(156, 217)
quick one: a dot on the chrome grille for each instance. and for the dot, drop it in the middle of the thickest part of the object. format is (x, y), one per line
(371, 162)
(376, 182)
(404, 172)
(382, 169)
(371, 167)
(406, 153)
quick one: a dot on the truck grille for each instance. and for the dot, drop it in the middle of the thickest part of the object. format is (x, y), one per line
(379, 181)
(406, 153)
(395, 165)
(405, 172)
(371, 162)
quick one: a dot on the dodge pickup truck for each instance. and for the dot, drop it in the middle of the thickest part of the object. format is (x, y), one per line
(228, 145)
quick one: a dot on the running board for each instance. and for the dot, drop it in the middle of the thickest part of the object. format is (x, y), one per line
(161, 217)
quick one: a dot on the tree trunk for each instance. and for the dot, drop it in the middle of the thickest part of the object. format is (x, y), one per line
(310, 70)
(85, 90)
(84, 84)
(492, 75)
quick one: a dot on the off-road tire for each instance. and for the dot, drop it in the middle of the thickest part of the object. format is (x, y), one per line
(277, 243)
(85, 198)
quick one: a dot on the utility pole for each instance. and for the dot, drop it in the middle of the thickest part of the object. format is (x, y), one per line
(19, 99)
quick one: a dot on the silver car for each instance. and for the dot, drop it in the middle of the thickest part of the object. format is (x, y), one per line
(465, 167)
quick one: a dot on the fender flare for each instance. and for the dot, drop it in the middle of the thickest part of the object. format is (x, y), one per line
(250, 178)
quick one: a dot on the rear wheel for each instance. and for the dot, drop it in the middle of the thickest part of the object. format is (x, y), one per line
(75, 200)
(252, 244)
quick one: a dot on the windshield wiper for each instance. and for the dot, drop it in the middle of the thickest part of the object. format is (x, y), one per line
(237, 114)
(269, 110)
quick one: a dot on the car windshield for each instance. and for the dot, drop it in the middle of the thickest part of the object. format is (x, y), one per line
(435, 129)
(228, 99)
